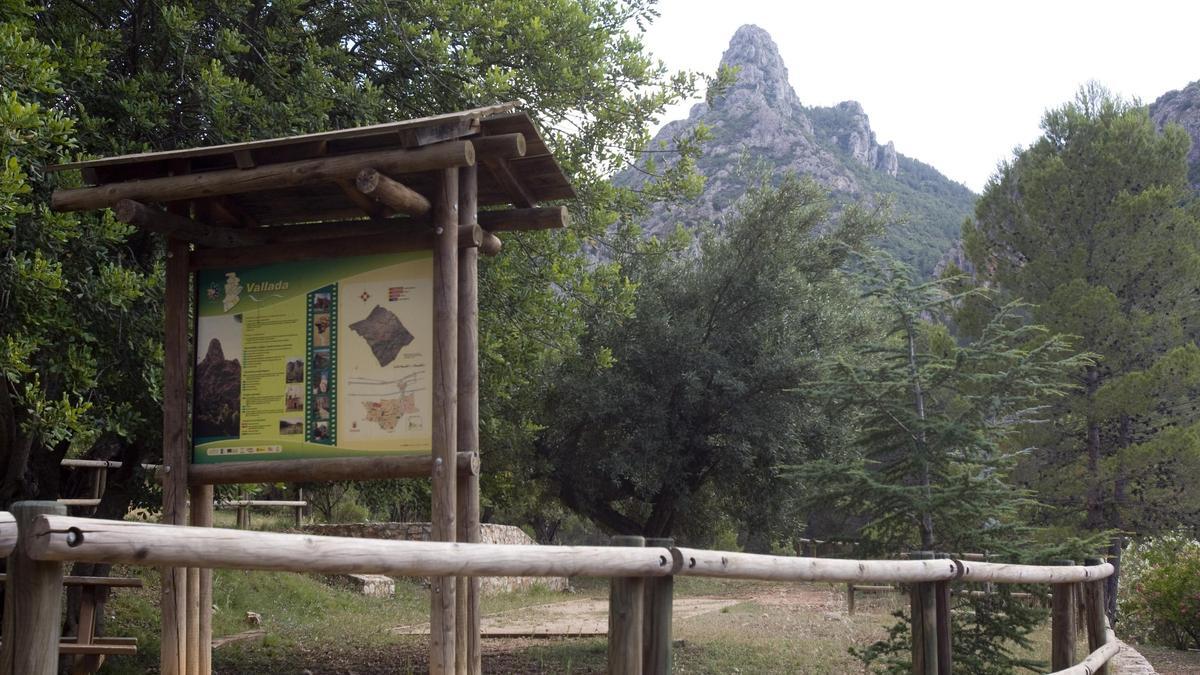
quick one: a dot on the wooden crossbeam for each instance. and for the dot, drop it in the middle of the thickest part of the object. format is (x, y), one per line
(372, 208)
(384, 242)
(111, 582)
(105, 648)
(516, 220)
(446, 131)
(491, 244)
(171, 225)
(339, 468)
(504, 175)
(374, 187)
(266, 177)
(499, 147)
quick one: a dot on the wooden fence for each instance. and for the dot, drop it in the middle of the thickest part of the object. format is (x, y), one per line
(243, 507)
(640, 600)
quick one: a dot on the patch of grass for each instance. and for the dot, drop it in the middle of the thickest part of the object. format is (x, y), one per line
(296, 610)
(300, 614)
(798, 628)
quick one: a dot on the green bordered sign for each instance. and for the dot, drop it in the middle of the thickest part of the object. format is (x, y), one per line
(326, 358)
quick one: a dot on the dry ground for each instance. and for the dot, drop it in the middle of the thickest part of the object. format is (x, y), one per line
(754, 628)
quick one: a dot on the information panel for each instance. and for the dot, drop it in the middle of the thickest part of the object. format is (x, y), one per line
(324, 358)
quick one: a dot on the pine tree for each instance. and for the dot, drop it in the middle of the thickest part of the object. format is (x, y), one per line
(1091, 224)
(937, 420)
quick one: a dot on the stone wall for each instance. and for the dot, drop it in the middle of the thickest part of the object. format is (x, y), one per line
(490, 533)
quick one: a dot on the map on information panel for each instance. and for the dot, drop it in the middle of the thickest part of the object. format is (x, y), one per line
(326, 358)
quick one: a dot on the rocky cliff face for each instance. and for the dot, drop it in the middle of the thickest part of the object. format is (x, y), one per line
(760, 123)
(1183, 108)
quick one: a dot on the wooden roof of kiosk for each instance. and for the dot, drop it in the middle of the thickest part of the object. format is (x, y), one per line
(412, 185)
(351, 181)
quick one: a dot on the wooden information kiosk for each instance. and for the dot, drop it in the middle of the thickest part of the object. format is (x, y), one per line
(368, 194)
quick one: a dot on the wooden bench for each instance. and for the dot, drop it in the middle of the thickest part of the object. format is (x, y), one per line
(90, 651)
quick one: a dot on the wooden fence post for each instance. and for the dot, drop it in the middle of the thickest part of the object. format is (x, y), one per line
(625, 610)
(656, 634)
(1062, 623)
(924, 624)
(850, 599)
(945, 647)
(32, 601)
(202, 497)
(1096, 618)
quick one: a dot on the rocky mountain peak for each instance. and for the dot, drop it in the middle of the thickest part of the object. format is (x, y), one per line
(760, 69)
(214, 354)
(1182, 107)
(851, 131)
(759, 123)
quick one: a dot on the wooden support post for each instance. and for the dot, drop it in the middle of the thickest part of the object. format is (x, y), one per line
(445, 414)
(175, 451)
(86, 664)
(1097, 620)
(32, 601)
(945, 646)
(98, 483)
(850, 599)
(924, 624)
(625, 613)
(202, 516)
(469, 655)
(193, 621)
(1062, 623)
(656, 628)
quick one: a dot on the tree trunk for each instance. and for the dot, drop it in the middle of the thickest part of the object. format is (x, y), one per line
(1094, 501)
(662, 517)
(926, 518)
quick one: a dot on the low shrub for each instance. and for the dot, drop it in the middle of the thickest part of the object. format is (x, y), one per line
(1160, 592)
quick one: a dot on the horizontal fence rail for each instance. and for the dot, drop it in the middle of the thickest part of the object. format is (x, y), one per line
(112, 541)
(54, 539)
(1034, 574)
(696, 562)
(260, 503)
(730, 565)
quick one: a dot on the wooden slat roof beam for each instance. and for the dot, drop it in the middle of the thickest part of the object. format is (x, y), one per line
(265, 177)
(310, 178)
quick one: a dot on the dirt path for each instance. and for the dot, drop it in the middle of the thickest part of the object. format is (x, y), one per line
(572, 618)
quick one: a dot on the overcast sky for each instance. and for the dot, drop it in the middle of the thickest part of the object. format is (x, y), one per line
(955, 84)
